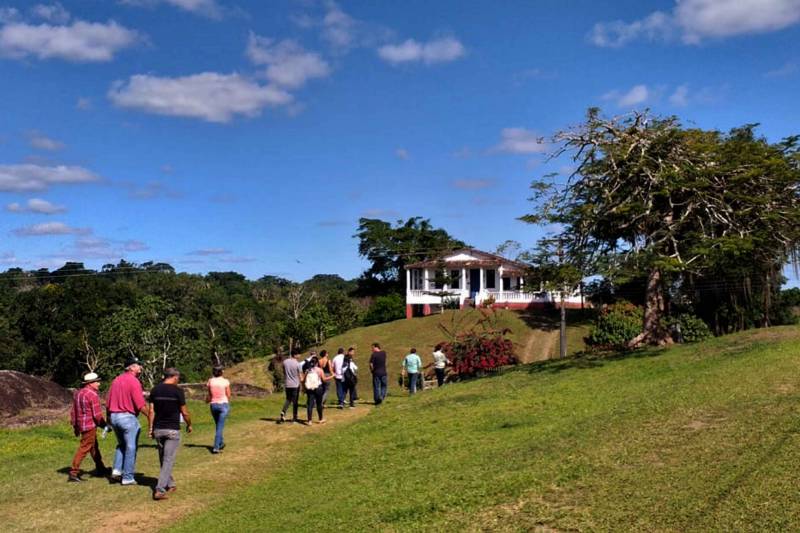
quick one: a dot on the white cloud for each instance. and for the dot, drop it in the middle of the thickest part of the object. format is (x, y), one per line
(32, 177)
(49, 228)
(696, 20)
(338, 28)
(473, 184)
(80, 41)
(680, 97)
(208, 96)
(41, 141)
(36, 205)
(8, 15)
(520, 141)
(288, 64)
(638, 94)
(378, 212)
(54, 13)
(701, 19)
(206, 8)
(402, 153)
(209, 251)
(9, 258)
(441, 50)
(787, 69)
(655, 26)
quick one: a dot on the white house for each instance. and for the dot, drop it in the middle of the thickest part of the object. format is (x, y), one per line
(469, 277)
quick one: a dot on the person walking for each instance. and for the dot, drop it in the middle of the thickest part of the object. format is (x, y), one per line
(313, 378)
(327, 369)
(86, 416)
(291, 385)
(380, 380)
(439, 363)
(167, 406)
(218, 397)
(124, 404)
(338, 376)
(350, 377)
(412, 365)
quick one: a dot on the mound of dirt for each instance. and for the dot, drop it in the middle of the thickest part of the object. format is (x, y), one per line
(25, 397)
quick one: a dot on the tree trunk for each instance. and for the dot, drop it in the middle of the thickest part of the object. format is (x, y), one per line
(653, 331)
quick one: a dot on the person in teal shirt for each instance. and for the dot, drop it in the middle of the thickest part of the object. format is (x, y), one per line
(412, 365)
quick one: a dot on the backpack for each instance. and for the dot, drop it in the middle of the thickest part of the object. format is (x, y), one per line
(312, 380)
(349, 375)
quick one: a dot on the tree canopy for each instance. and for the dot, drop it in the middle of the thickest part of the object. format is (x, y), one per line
(683, 207)
(389, 248)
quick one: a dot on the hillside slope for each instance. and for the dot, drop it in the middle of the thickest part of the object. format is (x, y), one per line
(535, 337)
(693, 438)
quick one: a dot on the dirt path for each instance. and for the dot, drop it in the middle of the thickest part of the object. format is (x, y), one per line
(254, 449)
(539, 346)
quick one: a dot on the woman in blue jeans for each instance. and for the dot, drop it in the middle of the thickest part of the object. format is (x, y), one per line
(219, 395)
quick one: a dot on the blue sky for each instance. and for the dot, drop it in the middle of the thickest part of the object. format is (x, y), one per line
(251, 136)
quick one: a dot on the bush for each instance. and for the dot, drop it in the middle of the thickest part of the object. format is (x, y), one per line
(692, 328)
(385, 309)
(615, 326)
(475, 353)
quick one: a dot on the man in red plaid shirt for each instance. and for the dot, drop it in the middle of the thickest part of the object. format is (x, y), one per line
(86, 416)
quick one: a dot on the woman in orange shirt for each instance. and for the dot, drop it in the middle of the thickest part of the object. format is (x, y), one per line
(219, 395)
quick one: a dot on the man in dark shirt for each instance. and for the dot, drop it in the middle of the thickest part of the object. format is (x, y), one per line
(377, 365)
(167, 405)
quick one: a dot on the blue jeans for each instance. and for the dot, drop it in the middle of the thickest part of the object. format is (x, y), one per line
(379, 386)
(126, 428)
(412, 382)
(340, 390)
(219, 411)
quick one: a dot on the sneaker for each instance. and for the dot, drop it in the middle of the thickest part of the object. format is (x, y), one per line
(116, 474)
(171, 489)
(340, 406)
(128, 482)
(323, 421)
(215, 450)
(160, 495)
(283, 419)
(74, 479)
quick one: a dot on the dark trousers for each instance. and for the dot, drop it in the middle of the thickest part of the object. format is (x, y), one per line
(326, 385)
(350, 388)
(293, 399)
(87, 446)
(340, 390)
(439, 376)
(314, 398)
(379, 387)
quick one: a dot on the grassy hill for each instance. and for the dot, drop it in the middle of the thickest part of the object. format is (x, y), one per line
(696, 438)
(691, 438)
(535, 336)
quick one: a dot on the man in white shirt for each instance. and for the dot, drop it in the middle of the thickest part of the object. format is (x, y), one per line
(338, 363)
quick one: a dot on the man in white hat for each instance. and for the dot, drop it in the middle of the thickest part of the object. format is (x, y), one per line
(86, 417)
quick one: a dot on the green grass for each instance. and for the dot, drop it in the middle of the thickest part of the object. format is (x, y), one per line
(696, 438)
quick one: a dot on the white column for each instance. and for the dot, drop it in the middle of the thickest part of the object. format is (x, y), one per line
(481, 284)
(500, 279)
(425, 279)
(408, 281)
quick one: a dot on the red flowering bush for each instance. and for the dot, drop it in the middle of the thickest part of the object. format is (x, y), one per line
(475, 353)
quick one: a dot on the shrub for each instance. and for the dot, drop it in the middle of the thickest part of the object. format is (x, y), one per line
(385, 309)
(692, 328)
(475, 353)
(615, 326)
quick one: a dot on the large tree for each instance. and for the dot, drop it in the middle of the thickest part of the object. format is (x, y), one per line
(389, 248)
(648, 196)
